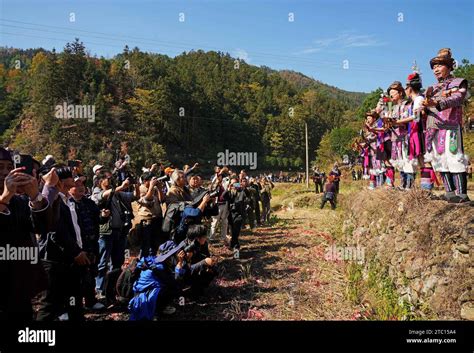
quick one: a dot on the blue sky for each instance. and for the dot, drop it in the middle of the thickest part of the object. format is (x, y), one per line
(368, 34)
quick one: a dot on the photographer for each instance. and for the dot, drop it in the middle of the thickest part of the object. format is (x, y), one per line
(178, 192)
(157, 284)
(201, 266)
(255, 188)
(150, 214)
(266, 195)
(115, 206)
(88, 216)
(61, 250)
(236, 198)
(195, 186)
(20, 217)
(223, 216)
(249, 217)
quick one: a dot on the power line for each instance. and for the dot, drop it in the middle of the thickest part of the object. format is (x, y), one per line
(184, 45)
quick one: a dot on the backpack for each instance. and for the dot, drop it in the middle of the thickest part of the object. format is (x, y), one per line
(125, 281)
(172, 216)
(118, 283)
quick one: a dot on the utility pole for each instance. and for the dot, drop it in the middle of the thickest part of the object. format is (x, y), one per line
(307, 159)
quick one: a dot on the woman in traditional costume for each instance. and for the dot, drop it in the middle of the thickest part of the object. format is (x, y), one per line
(443, 136)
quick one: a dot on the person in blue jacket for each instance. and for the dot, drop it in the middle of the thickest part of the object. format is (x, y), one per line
(158, 282)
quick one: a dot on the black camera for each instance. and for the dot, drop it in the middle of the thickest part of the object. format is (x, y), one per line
(192, 246)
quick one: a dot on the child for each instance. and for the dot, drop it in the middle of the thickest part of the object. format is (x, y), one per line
(329, 193)
(428, 177)
(389, 175)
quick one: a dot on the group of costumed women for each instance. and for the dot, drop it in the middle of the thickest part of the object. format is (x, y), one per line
(411, 130)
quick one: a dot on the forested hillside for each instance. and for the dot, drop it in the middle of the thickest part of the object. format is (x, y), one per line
(178, 109)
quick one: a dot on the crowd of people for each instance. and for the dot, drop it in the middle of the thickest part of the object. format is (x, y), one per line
(412, 132)
(114, 239)
(145, 240)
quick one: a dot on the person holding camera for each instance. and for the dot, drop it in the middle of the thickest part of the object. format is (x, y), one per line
(115, 222)
(266, 195)
(221, 185)
(150, 214)
(158, 281)
(195, 186)
(202, 268)
(236, 199)
(88, 215)
(178, 191)
(61, 250)
(23, 212)
(255, 188)
(249, 217)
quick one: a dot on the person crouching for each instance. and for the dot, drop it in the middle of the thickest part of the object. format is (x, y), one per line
(157, 284)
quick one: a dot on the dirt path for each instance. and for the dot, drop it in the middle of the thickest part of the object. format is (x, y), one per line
(282, 274)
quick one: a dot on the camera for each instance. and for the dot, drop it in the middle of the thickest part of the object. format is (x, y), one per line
(192, 246)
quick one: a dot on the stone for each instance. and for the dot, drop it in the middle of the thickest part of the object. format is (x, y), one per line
(430, 283)
(391, 224)
(467, 296)
(467, 311)
(463, 248)
(401, 246)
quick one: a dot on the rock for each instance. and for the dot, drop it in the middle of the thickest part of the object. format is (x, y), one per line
(400, 238)
(391, 224)
(463, 248)
(401, 246)
(467, 311)
(417, 285)
(467, 296)
(413, 269)
(430, 283)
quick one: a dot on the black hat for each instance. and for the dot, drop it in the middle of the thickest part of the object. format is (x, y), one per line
(5, 155)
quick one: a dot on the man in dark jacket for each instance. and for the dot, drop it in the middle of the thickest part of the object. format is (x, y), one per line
(236, 199)
(249, 207)
(88, 216)
(336, 173)
(255, 193)
(20, 217)
(202, 269)
(61, 251)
